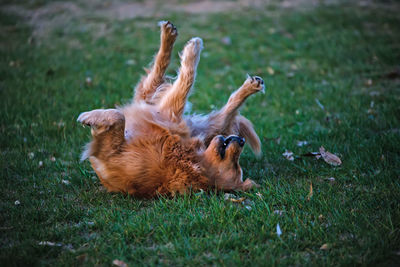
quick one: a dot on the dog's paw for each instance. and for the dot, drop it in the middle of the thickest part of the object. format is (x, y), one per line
(101, 117)
(168, 30)
(192, 49)
(255, 83)
(195, 44)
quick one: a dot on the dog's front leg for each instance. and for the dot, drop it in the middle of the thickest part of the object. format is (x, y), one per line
(253, 84)
(107, 128)
(226, 121)
(155, 77)
(173, 102)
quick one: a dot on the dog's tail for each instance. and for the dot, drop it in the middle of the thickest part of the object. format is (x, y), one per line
(246, 129)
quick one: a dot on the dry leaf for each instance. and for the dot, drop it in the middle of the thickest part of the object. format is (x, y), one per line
(310, 194)
(239, 200)
(278, 230)
(119, 263)
(324, 246)
(288, 155)
(330, 158)
(270, 70)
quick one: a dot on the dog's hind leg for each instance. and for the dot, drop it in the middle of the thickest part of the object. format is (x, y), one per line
(155, 77)
(227, 121)
(174, 100)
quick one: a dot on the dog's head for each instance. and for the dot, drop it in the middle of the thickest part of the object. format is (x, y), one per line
(221, 161)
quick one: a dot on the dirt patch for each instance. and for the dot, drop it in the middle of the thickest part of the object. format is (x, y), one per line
(54, 15)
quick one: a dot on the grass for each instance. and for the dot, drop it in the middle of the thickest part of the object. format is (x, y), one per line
(338, 54)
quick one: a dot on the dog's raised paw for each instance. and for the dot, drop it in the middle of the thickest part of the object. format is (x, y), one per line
(256, 83)
(168, 29)
(101, 117)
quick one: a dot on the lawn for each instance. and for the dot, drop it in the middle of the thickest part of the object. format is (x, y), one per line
(333, 80)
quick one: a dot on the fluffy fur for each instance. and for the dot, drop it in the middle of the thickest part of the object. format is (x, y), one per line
(148, 147)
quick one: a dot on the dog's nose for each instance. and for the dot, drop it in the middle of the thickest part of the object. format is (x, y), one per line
(240, 140)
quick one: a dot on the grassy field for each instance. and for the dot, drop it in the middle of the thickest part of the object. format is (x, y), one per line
(333, 80)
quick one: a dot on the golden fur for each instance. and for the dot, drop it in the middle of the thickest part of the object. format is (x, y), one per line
(148, 147)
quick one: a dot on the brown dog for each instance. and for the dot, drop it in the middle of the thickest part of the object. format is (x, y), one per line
(148, 147)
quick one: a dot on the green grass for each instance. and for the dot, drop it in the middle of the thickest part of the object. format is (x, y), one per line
(338, 54)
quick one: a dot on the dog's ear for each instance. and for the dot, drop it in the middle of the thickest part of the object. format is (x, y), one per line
(246, 129)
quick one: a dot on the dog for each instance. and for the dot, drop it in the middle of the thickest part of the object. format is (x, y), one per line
(149, 147)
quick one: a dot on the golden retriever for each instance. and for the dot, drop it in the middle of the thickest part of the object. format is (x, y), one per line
(149, 147)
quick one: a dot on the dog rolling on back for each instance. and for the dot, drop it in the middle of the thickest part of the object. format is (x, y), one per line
(149, 147)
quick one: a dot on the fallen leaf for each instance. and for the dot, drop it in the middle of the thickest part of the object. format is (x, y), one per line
(324, 247)
(310, 194)
(239, 200)
(119, 263)
(329, 158)
(270, 70)
(288, 155)
(278, 230)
